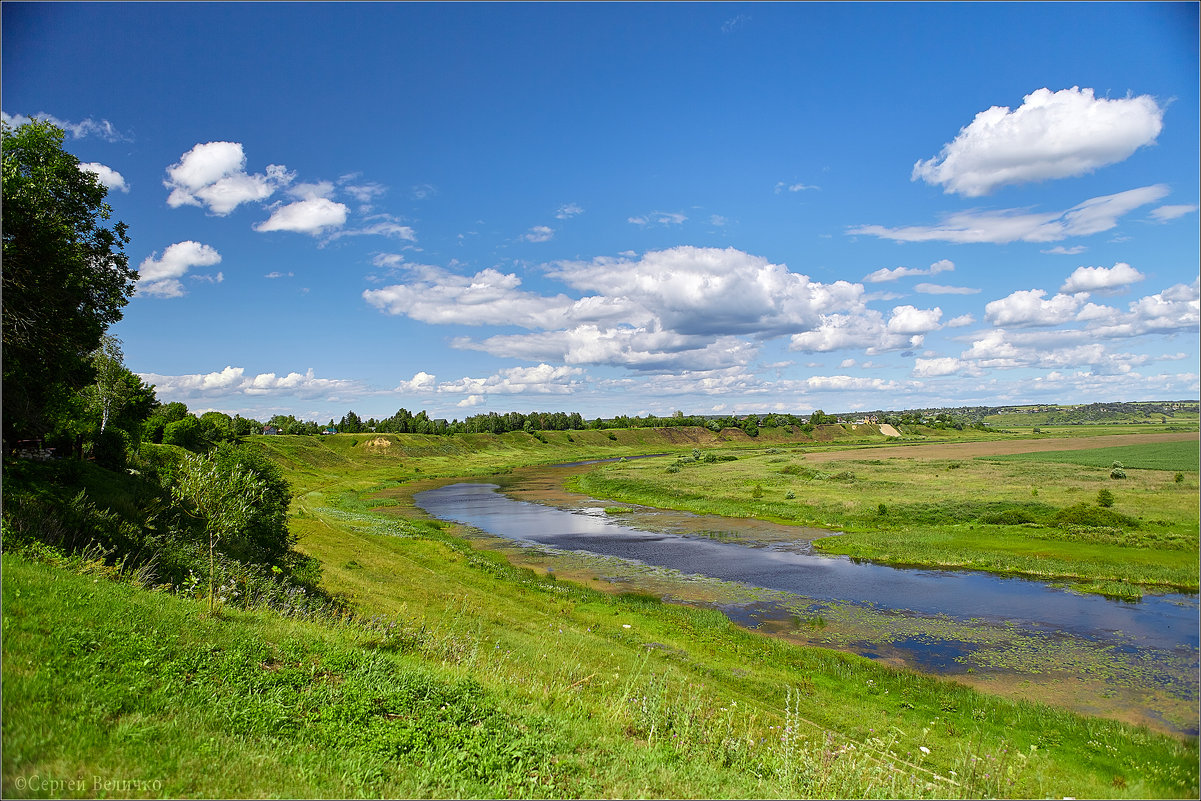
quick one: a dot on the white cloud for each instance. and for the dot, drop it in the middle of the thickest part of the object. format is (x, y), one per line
(306, 217)
(107, 176)
(487, 298)
(930, 368)
(1026, 307)
(214, 175)
(1051, 135)
(419, 383)
(911, 320)
(943, 289)
(636, 348)
(159, 277)
(78, 130)
(233, 381)
(274, 275)
(568, 210)
(887, 274)
(541, 380)
(1091, 279)
(1060, 250)
(960, 321)
(1017, 225)
(1166, 213)
(539, 233)
(306, 191)
(905, 328)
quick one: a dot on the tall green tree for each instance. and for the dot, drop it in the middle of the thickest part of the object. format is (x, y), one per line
(66, 276)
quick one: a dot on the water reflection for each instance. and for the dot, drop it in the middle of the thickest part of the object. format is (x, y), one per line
(1163, 622)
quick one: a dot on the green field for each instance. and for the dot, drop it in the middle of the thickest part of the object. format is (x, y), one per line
(1027, 517)
(1171, 456)
(462, 675)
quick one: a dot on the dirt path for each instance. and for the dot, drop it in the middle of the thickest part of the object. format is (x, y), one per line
(969, 450)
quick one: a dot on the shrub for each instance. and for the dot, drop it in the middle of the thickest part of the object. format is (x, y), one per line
(109, 448)
(757, 492)
(1117, 472)
(1180, 478)
(1104, 498)
(790, 495)
(881, 510)
(1082, 514)
(1009, 517)
(185, 433)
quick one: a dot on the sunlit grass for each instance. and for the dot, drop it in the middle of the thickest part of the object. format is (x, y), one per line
(991, 515)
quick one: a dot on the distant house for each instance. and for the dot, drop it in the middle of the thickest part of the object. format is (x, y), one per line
(270, 430)
(329, 430)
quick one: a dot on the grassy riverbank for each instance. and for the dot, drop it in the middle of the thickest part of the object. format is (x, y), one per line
(1022, 514)
(476, 679)
(465, 676)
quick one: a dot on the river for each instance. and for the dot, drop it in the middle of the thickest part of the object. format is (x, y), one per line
(1137, 661)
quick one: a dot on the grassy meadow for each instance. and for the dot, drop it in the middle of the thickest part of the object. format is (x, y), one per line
(461, 675)
(1034, 514)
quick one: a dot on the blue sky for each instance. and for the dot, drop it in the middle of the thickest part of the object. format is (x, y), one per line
(635, 208)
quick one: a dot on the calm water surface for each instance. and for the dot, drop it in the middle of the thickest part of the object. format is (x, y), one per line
(1157, 622)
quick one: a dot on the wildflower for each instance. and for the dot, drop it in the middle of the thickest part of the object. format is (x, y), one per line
(924, 749)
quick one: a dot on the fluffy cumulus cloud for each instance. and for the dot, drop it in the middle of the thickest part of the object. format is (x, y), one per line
(159, 276)
(489, 297)
(540, 380)
(1019, 225)
(1028, 307)
(905, 328)
(684, 308)
(1051, 135)
(1066, 332)
(543, 379)
(233, 381)
(939, 366)
(213, 175)
(312, 216)
(107, 176)
(708, 292)
(1092, 279)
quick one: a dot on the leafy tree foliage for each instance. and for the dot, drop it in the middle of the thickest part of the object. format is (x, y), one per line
(222, 500)
(117, 395)
(264, 536)
(66, 276)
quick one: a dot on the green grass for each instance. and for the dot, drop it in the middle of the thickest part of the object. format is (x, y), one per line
(1174, 456)
(1000, 515)
(469, 677)
(480, 680)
